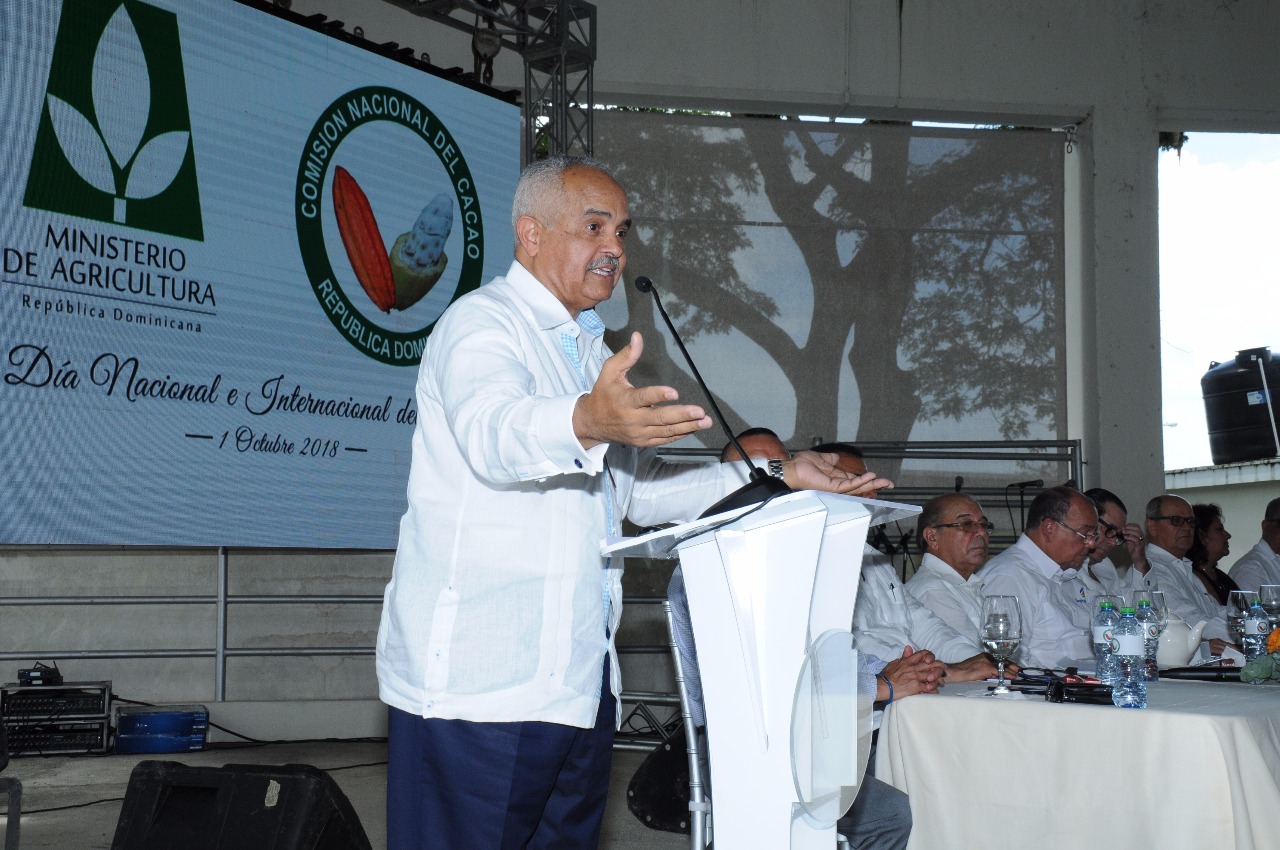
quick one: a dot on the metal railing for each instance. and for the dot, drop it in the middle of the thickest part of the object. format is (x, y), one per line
(646, 704)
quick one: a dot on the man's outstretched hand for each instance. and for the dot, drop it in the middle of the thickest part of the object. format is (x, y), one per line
(818, 471)
(617, 412)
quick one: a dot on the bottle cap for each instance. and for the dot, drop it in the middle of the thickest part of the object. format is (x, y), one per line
(1126, 610)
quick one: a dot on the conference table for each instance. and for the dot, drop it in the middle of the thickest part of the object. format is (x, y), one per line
(1198, 768)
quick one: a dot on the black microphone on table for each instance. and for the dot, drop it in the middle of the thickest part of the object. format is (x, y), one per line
(762, 485)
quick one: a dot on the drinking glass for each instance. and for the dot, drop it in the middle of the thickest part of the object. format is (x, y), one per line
(1136, 596)
(1161, 607)
(1116, 600)
(1238, 603)
(1000, 632)
(1269, 596)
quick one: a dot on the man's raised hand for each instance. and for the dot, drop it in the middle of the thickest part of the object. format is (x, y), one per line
(809, 470)
(617, 412)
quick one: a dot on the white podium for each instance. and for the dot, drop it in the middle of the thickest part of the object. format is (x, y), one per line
(771, 596)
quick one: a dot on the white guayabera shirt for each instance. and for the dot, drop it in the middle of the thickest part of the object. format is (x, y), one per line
(1050, 635)
(886, 618)
(1184, 593)
(942, 590)
(495, 610)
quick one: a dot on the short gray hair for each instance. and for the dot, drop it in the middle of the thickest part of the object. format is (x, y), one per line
(540, 185)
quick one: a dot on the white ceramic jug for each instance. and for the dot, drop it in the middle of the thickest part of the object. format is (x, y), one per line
(1178, 642)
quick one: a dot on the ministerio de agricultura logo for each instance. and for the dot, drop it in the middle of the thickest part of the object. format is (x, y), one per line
(114, 141)
(379, 161)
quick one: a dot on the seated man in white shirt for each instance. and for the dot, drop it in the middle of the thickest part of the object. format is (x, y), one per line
(1099, 575)
(1261, 564)
(1062, 524)
(886, 619)
(955, 538)
(1171, 528)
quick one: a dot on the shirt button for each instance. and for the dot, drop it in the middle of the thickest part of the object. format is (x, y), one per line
(578, 464)
(437, 653)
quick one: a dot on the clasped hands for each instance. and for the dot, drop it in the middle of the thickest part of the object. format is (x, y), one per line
(615, 411)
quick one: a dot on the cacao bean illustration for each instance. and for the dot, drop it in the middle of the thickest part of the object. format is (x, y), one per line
(363, 241)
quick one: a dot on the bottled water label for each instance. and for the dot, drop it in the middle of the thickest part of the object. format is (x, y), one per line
(1102, 634)
(1252, 626)
(1129, 644)
(1253, 636)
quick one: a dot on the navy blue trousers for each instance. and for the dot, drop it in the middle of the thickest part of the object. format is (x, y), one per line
(458, 785)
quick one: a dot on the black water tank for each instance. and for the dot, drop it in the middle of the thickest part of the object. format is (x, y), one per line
(1235, 405)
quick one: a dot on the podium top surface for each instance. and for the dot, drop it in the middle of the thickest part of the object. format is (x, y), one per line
(663, 542)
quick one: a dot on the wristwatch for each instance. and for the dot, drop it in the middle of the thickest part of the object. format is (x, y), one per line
(775, 469)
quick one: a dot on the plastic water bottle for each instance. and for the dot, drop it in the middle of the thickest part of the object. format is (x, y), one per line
(1254, 630)
(1150, 640)
(1104, 650)
(1129, 690)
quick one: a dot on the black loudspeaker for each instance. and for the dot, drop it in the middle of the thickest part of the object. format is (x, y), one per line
(658, 794)
(169, 806)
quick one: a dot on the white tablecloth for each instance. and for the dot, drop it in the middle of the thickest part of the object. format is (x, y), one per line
(1198, 768)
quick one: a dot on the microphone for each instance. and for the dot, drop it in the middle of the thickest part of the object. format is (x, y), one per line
(881, 541)
(959, 483)
(762, 485)
(1022, 485)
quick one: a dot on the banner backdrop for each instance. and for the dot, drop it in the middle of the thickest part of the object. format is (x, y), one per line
(225, 238)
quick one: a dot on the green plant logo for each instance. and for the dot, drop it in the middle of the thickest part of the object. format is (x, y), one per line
(114, 142)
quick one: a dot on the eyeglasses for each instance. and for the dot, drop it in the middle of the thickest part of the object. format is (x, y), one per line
(1091, 537)
(1109, 531)
(1177, 521)
(968, 526)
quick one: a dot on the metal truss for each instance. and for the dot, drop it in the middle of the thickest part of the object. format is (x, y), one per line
(557, 41)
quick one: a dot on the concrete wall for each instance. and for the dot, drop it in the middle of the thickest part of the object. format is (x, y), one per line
(1121, 69)
(1242, 490)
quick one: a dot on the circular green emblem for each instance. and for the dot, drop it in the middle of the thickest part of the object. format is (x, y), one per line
(385, 298)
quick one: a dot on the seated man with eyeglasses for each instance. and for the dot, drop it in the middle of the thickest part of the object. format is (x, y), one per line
(887, 619)
(1171, 529)
(1062, 524)
(955, 538)
(1099, 575)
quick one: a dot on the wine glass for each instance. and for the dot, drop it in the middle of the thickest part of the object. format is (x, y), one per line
(1238, 604)
(1000, 632)
(1161, 608)
(1116, 600)
(1269, 596)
